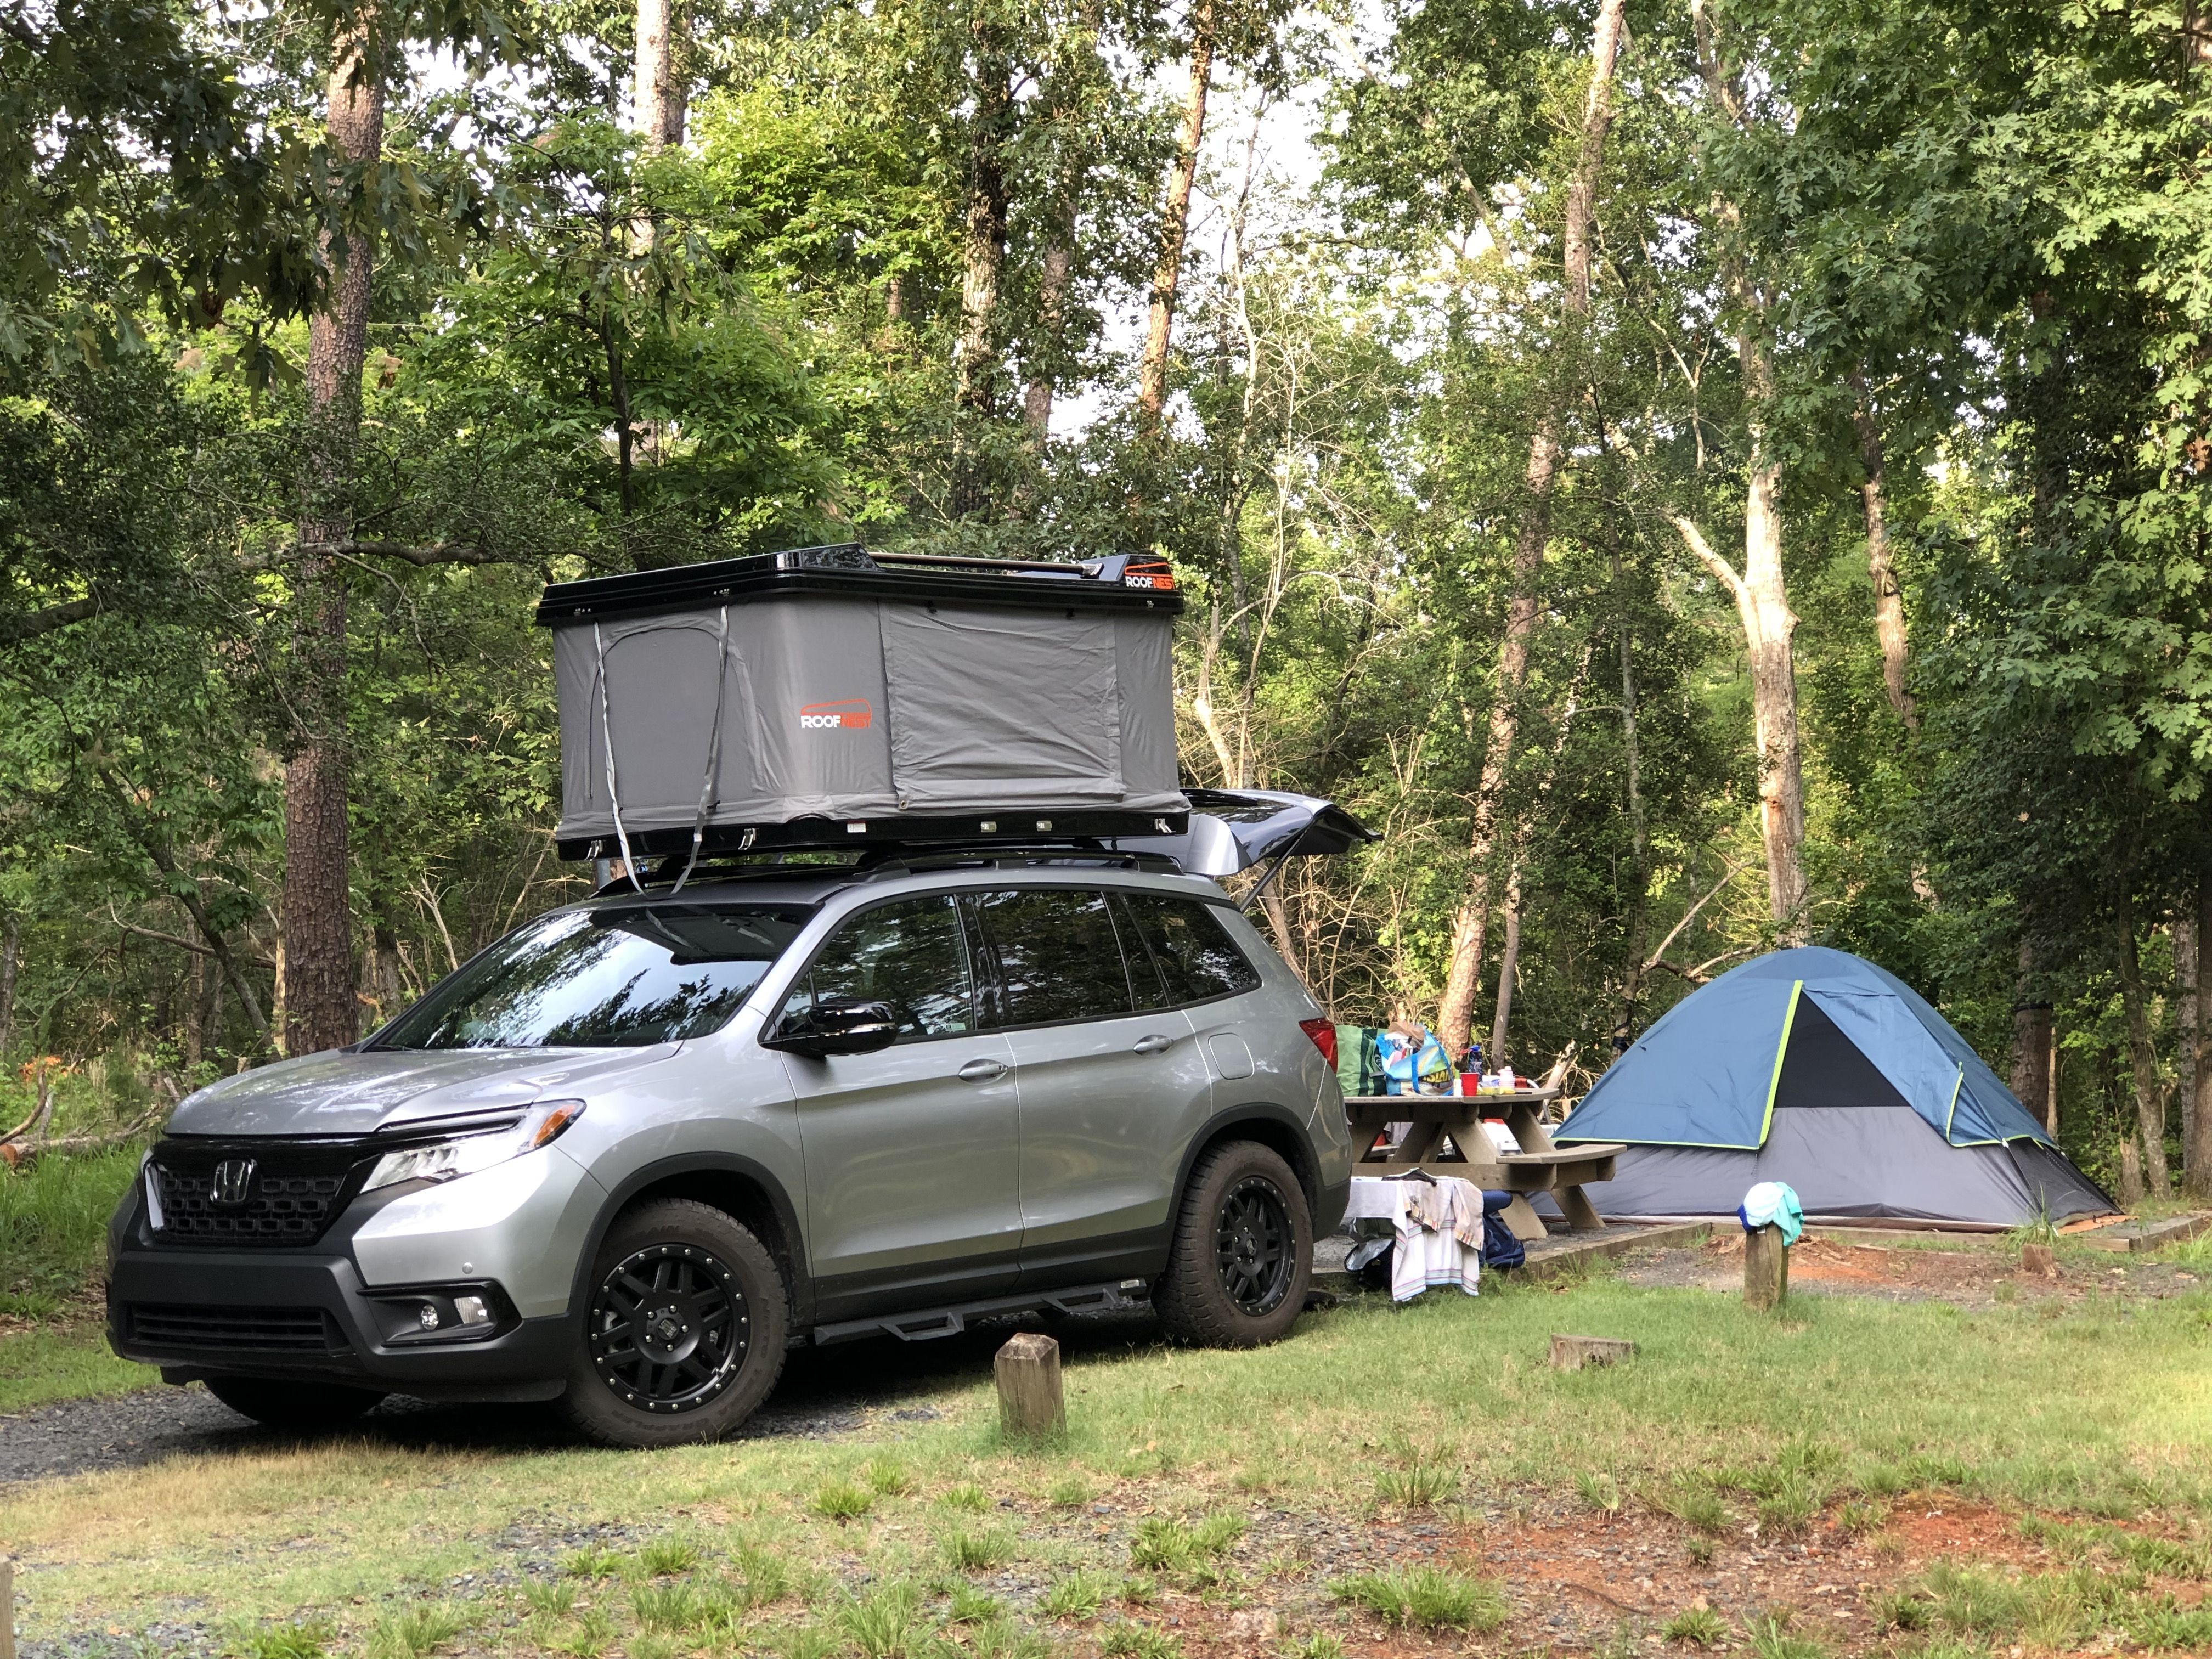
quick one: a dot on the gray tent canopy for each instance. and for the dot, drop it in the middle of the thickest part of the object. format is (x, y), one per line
(832, 696)
(1817, 1068)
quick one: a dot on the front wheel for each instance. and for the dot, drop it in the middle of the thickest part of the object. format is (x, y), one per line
(298, 1407)
(683, 1331)
(1243, 1253)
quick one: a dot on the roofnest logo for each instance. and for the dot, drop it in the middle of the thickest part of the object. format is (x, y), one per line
(853, 715)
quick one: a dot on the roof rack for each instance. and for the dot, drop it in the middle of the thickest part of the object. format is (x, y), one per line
(986, 854)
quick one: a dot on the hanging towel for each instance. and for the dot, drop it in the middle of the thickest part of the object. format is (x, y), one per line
(1439, 1237)
(1772, 1204)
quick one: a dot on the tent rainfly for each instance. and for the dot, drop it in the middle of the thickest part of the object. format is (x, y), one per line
(1816, 1067)
(827, 696)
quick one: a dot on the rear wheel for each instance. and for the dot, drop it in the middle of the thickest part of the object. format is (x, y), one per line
(683, 1331)
(301, 1408)
(1243, 1253)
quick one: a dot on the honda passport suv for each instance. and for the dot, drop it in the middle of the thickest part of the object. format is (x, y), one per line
(630, 1154)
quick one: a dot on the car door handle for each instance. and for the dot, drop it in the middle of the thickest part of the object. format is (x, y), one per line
(982, 1071)
(1154, 1045)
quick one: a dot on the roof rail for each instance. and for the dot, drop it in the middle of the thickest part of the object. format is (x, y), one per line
(990, 854)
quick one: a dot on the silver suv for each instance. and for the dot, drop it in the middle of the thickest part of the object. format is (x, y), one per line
(630, 1154)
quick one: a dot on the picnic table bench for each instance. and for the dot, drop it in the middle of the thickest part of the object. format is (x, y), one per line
(1539, 1167)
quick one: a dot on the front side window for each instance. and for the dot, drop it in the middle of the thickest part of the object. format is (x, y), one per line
(911, 954)
(1057, 955)
(614, 977)
(1192, 950)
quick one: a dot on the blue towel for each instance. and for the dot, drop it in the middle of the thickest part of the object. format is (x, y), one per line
(1772, 1204)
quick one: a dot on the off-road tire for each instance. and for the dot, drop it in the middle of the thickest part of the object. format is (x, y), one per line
(297, 1407)
(723, 1296)
(1194, 1298)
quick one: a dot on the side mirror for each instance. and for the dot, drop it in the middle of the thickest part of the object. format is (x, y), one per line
(842, 1026)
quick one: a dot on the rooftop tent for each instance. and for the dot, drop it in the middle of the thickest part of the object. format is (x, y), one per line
(1818, 1068)
(803, 697)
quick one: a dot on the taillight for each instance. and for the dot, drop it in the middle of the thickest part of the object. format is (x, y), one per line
(1324, 1037)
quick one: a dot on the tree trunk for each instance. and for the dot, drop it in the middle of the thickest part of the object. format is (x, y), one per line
(2184, 929)
(11, 945)
(983, 260)
(2030, 1040)
(1639, 836)
(1888, 598)
(2197, 1155)
(2150, 1099)
(1056, 269)
(1471, 920)
(1175, 223)
(319, 1008)
(658, 106)
(1509, 963)
(1052, 310)
(1768, 624)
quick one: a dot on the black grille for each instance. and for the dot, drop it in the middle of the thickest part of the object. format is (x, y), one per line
(286, 1195)
(261, 1330)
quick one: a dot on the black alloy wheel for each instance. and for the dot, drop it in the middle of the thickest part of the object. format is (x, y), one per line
(669, 1327)
(1253, 1240)
(1242, 1253)
(683, 1331)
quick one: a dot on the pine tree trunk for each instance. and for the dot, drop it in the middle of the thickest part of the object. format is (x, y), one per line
(2197, 1155)
(2150, 1099)
(318, 994)
(2183, 929)
(1471, 920)
(1175, 223)
(2031, 1039)
(983, 258)
(11, 946)
(1888, 598)
(659, 103)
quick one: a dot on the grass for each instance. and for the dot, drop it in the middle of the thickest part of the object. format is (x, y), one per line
(979, 1552)
(1422, 1482)
(417, 1631)
(1848, 1401)
(1427, 1598)
(64, 1362)
(53, 1227)
(1701, 1627)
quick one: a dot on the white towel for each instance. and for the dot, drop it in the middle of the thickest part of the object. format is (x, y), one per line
(1439, 1227)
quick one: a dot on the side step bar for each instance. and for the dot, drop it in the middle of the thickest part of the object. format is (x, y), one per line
(926, 1324)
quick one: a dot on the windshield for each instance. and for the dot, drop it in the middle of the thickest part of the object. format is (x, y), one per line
(610, 978)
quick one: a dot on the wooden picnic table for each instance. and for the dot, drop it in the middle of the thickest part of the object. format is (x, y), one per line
(1540, 1166)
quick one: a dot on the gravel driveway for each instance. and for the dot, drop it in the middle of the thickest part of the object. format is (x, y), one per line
(824, 1393)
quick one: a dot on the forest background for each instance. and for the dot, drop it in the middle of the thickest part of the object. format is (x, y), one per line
(1696, 474)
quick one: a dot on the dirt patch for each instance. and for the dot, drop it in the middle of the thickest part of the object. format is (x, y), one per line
(1973, 1275)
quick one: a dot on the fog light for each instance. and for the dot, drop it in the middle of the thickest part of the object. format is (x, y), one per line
(473, 1310)
(428, 1317)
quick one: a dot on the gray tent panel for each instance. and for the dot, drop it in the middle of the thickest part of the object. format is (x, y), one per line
(1855, 1163)
(990, 707)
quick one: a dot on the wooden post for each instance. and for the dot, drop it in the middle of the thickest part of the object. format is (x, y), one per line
(1571, 1354)
(2039, 1260)
(1030, 1399)
(1766, 1269)
(7, 1608)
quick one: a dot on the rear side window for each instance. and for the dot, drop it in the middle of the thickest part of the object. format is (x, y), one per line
(1057, 955)
(1195, 959)
(910, 954)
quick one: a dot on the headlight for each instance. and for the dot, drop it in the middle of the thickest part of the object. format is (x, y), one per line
(464, 1154)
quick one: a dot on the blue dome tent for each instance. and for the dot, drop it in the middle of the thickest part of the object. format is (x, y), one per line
(1816, 1067)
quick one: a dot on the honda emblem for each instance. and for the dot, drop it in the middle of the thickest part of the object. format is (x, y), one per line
(233, 1181)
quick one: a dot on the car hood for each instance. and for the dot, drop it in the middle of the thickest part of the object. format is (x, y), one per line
(352, 1093)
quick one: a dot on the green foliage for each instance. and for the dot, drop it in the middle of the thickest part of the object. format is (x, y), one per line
(978, 1552)
(1080, 1596)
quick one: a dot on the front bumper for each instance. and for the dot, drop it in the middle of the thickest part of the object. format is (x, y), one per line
(245, 1303)
(327, 1312)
